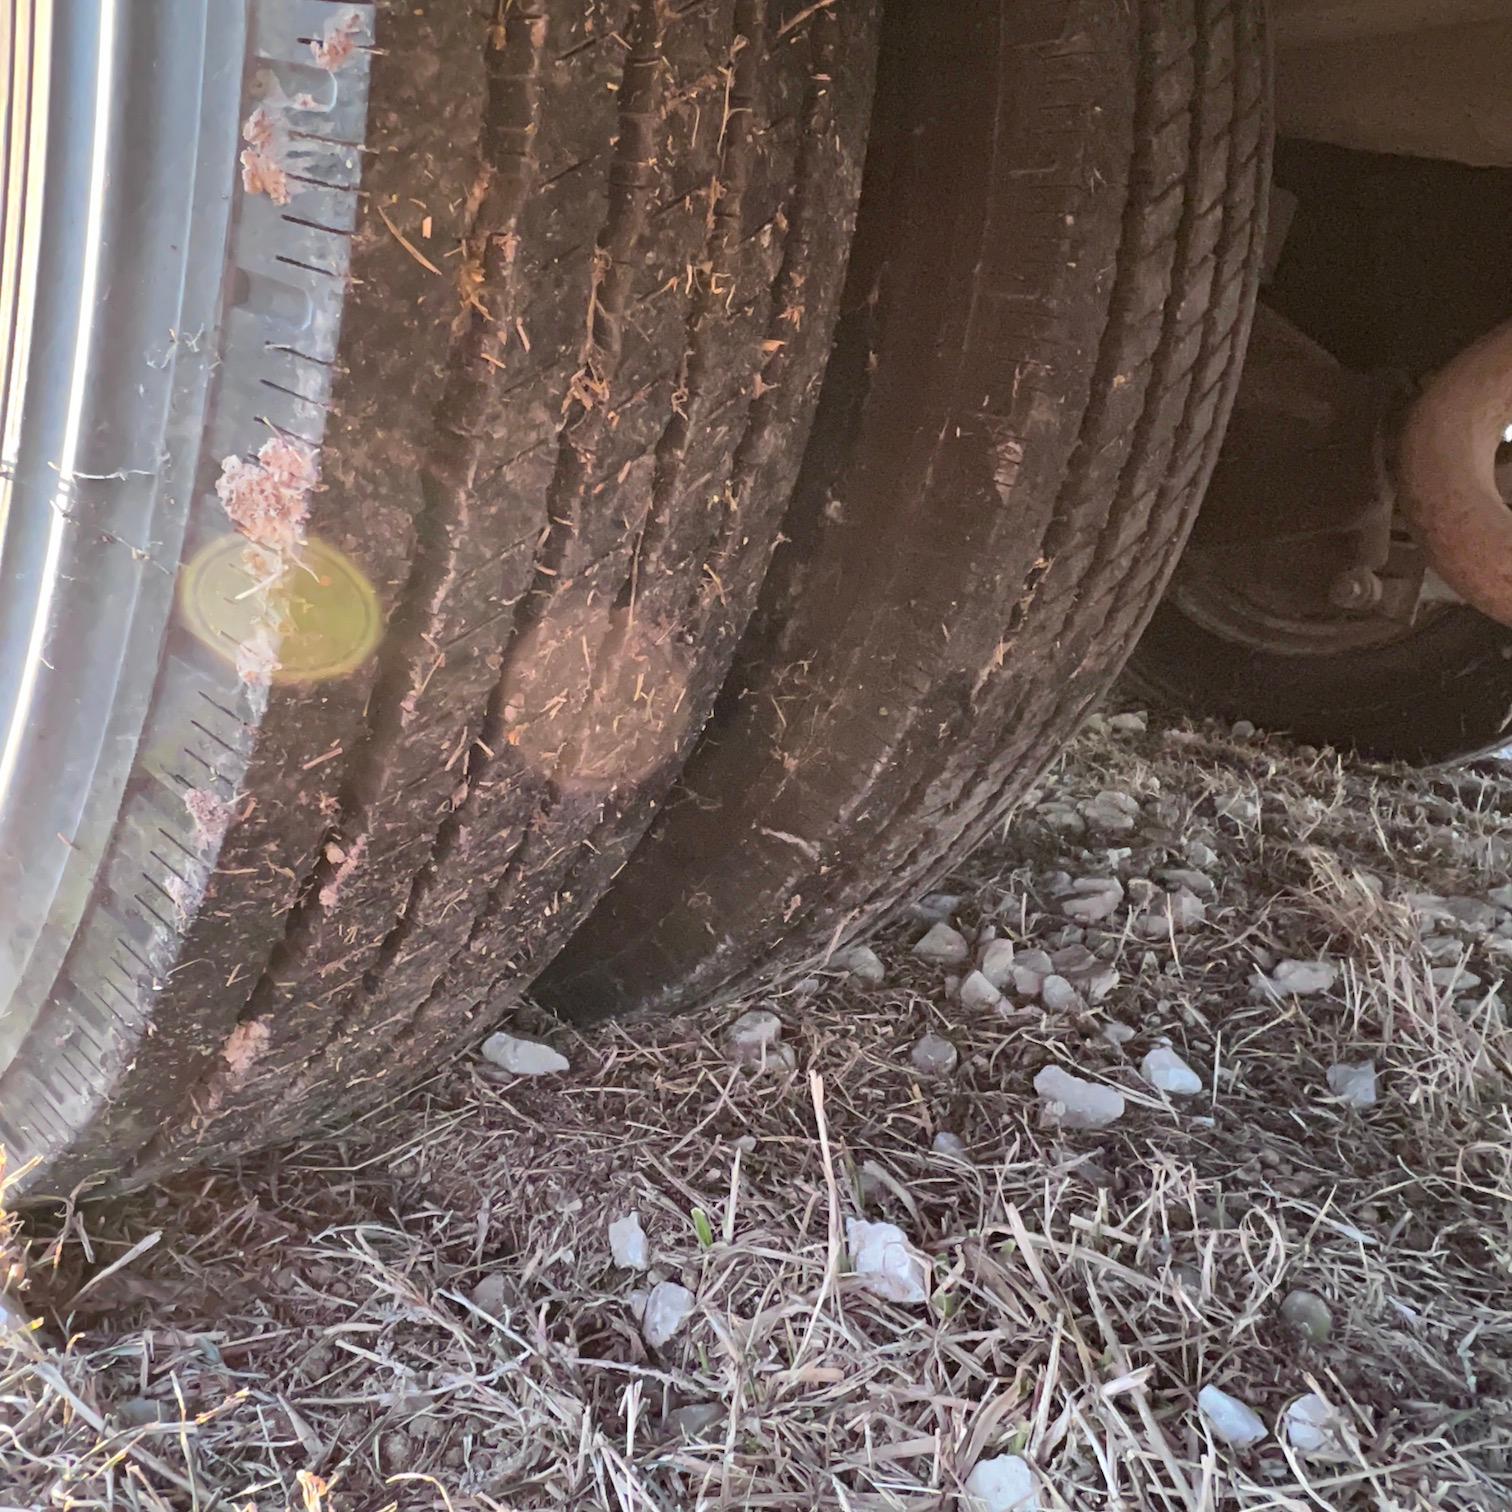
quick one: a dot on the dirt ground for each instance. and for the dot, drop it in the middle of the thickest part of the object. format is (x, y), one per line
(424, 1313)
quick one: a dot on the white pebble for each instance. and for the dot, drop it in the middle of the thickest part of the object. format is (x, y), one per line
(692, 1420)
(753, 1037)
(667, 1308)
(1061, 816)
(1092, 977)
(946, 1143)
(1239, 807)
(1455, 978)
(1230, 1420)
(888, 1265)
(1058, 995)
(1353, 1082)
(1303, 978)
(1170, 913)
(935, 908)
(1194, 881)
(1116, 1033)
(863, 963)
(1095, 899)
(13, 1317)
(1167, 1072)
(1075, 1103)
(944, 946)
(1475, 913)
(1004, 1484)
(997, 963)
(1128, 724)
(978, 992)
(491, 1295)
(627, 1243)
(522, 1057)
(934, 1055)
(1030, 968)
(1201, 855)
(1309, 1424)
(1112, 811)
(1443, 949)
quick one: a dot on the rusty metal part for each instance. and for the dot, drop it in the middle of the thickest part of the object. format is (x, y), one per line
(1355, 588)
(1301, 461)
(1446, 473)
(1296, 551)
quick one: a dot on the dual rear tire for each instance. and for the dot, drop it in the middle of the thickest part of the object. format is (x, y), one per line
(599, 357)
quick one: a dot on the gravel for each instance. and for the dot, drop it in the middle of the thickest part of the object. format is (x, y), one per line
(435, 1293)
(754, 1037)
(1353, 1083)
(1232, 1421)
(1058, 995)
(886, 1264)
(1303, 978)
(1030, 968)
(1307, 1315)
(997, 963)
(863, 963)
(1076, 1103)
(668, 1309)
(628, 1244)
(934, 1055)
(1111, 811)
(522, 1057)
(1002, 1484)
(944, 946)
(1167, 1072)
(1093, 899)
(1311, 1426)
(978, 991)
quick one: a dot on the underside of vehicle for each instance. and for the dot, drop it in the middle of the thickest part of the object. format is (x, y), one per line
(608, 498)
(1349, 579)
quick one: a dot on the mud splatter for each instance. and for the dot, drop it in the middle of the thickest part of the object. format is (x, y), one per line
(268, 500)
(262, 169)
(245, 1046)
(257, 657)
(211, 815)
(184, 895)
(339, 42)
(348, 862)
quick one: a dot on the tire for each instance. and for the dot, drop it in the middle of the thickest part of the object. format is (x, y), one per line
(1440, 693)
(524, 409)
(1049, 294)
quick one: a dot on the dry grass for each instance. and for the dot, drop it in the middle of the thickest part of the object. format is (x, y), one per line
(302, 1331)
